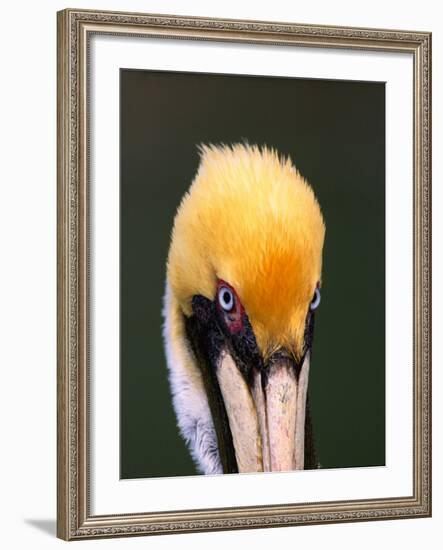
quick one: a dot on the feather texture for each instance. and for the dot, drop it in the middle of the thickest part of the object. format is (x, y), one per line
(250, 219)
(188, 394)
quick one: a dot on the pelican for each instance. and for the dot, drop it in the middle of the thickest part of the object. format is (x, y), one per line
(242, 287)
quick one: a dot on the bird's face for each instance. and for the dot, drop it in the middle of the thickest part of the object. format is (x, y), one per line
(243, 283)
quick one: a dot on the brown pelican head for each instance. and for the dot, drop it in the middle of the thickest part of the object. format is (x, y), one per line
(243, 284)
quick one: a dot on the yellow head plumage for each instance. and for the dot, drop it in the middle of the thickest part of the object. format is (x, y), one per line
(250, 219)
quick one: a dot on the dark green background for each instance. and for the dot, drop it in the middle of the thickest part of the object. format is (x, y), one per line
(335, 133)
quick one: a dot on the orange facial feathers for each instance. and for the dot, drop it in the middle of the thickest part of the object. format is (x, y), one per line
(250, 219)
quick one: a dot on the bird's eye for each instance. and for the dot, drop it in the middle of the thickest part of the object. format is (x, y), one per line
(226, 298)
(315, 300)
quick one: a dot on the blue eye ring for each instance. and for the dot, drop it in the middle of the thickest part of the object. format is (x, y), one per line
(226, 298)
(315, 302)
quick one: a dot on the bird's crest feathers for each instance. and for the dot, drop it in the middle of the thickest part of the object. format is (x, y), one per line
(250, 218)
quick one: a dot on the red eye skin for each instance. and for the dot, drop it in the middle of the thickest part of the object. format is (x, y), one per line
(235, 316)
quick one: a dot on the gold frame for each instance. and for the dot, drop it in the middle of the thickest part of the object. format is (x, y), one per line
(75, 27)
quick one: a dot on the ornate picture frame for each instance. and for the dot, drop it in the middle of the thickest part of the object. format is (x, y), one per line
(75, 516)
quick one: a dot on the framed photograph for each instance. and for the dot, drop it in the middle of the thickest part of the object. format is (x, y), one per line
(244, 255)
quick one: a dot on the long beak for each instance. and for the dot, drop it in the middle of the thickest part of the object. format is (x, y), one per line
(267, 416)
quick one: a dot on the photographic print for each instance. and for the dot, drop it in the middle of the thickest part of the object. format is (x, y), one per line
(244, 250)
(252, 274)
